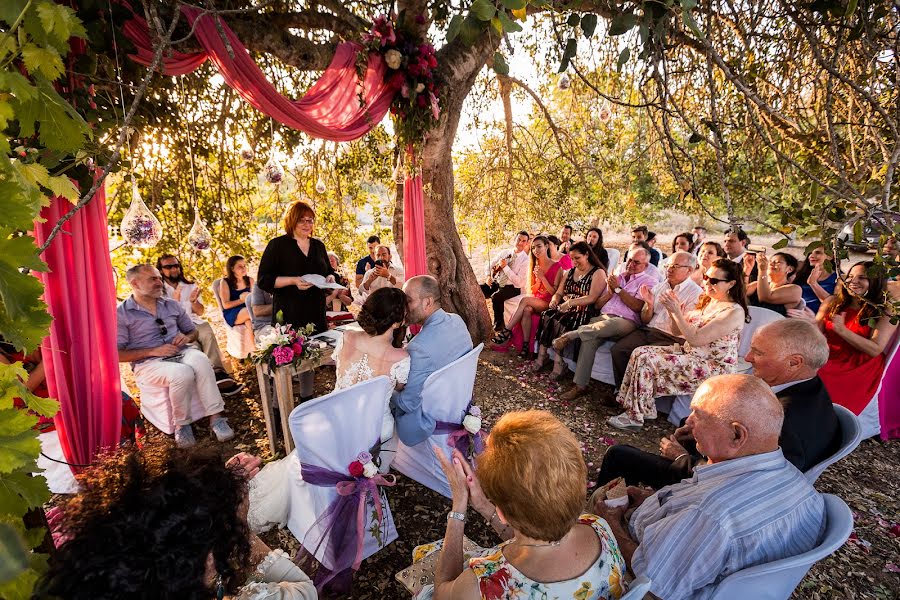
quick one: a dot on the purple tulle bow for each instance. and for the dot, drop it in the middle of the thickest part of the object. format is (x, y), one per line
(470, 445)
(343, 522)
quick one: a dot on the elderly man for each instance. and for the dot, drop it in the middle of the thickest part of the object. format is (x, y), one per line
(621, 305)
(442, 340)
(153, 335)
(785, 354)
(746, 507)
(507, 277)
(657, 327)
(382, 274)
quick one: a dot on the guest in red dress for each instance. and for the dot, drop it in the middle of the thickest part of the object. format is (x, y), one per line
(856, 349)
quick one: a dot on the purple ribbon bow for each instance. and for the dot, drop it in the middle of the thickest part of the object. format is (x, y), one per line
(470, 445)
(343, 532)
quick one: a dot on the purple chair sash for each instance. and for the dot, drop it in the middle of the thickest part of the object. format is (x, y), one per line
(343, 532)
(470, 445)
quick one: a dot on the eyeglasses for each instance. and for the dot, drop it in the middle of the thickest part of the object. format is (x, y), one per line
(307, 220)
(176, 265)
(714, 280)
(162, 327)
(678, 267)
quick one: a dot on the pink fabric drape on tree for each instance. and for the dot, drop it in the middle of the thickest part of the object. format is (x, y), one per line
(889, 399)
(414, 260)
(80, 356)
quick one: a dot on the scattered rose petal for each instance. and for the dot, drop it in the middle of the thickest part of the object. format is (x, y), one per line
(891, 568)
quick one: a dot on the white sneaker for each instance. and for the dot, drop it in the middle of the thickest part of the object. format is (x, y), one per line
(184, 436)
(222, 430)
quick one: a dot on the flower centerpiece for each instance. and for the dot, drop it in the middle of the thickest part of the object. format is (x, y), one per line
(283, 345)
(412, 66)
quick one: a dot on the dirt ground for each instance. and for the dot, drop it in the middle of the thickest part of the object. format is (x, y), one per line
(866, 567)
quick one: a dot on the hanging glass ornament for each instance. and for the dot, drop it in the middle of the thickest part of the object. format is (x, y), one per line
(320, 186)
(383, 147)
(273, 171)
(605, 113)
(247, 152)
(564, 82)
(399, 171)
(139, 227)
(199, 237)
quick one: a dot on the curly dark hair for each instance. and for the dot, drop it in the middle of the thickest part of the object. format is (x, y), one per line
(383, 308)
(145, 523)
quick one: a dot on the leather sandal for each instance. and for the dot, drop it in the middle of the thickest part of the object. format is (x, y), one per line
(502, 337)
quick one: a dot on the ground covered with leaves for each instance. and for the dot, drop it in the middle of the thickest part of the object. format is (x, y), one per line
(868, 566)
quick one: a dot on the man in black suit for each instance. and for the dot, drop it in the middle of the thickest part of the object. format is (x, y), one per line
(786, 354)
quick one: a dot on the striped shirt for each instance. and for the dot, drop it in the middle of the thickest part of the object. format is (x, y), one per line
(727, 517)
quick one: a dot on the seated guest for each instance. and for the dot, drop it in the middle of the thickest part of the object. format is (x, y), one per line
(556, 255)
(565, 239)
(382, 275)
(689, 536)
(552, 550)
(773, 288)
(442, 339)
(651, 269)
(711, 344)
(342, 296)
(641, 234)
(707, 254)
(786, 354)
(817, 278)
(621, 305)
(153, 335)
(544, 279)
(657, 327)
(182, 290)
(233, 291)
(193, 507)
(573, 303)
(259, 303)
(735, 246)
(651, 241)
(699, 233)
(368, 261)
(507, 277)
(683, 242)
(594, 238)
(856, 349)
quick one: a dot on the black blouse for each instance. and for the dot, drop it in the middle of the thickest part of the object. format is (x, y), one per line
(283, 258)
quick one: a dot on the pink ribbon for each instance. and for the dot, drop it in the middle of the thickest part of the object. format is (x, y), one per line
(369, 486)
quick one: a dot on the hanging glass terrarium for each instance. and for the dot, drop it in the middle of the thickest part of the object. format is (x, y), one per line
(139, 227)
(320, 186)
(199, 237)
(605, 113)
(247, 152)
(273, 172)
(564, 82)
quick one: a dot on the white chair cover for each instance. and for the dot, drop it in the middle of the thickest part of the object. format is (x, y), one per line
(851, 435)
(602, 369)
(330, 432)
(776, 580)
(239, 339)
(614, 256)
(446, 395)
(58, 474)
(870, 418)
(510, 307)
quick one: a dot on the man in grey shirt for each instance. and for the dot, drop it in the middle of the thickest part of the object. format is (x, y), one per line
(153, 333)
(259, 305)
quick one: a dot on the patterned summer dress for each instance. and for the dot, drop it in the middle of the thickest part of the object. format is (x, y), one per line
(555, 323)
(655, 371)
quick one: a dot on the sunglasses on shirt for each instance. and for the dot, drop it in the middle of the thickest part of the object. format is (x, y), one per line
(162, 327)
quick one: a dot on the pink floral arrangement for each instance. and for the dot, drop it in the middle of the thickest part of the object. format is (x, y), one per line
(283, 345)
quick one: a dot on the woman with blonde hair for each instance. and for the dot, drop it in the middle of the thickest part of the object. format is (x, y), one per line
(529, 485)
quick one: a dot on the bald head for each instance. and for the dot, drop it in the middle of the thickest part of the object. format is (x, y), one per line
(735, 416)
(423, 297)
(787, 350)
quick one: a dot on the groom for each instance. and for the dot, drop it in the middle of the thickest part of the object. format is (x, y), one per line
(443, 339)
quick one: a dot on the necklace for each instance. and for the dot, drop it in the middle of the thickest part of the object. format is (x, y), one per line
(541, 545)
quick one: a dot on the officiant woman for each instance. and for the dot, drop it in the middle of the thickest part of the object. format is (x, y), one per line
(286, 259)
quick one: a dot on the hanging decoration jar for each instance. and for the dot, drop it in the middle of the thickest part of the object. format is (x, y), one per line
(564, 82)
(139, 227)
(605, 113)
(273, 171)
(199, 237)
(247, 153)
(320, 186)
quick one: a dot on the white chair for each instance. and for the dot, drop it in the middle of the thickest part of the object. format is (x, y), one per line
(330, 432)
(238, 339)
(776, 580)
(601, 370)
(870, 418)
(638, 588)
(445, 396)
(851, 435)
(510, 307)
(614, 256)
(53, 463)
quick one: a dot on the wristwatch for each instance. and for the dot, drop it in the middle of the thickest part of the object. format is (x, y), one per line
(616, 290)
(456, 515)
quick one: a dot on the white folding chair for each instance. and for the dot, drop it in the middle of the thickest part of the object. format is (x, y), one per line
(776, 580)
(445, 396)
(851, 435)
(614, 256)
(330, 432)
(238, 339)
(870, 417)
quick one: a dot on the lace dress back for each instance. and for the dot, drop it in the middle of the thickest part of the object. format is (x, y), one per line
(353, 365)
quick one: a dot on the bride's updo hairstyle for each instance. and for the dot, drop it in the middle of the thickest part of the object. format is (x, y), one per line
(383, 308)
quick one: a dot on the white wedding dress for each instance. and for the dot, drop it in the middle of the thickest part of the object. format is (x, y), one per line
(270, 490)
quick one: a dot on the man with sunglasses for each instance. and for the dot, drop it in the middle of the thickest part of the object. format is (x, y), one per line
(187, 293)
(153, 334)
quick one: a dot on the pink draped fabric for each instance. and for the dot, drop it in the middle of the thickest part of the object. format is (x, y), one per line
(80, 355)
(338, 107)
(414, 260)
(889, 398)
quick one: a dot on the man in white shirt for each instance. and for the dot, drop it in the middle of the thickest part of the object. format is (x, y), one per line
(507, 276)
(657, 329)
(383, 274)
(187, 293)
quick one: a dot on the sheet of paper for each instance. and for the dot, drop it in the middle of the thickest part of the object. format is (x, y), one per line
(320, 282)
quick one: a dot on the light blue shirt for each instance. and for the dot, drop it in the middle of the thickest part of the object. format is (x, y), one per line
(442, 340)
(727, 517)
(136, 327)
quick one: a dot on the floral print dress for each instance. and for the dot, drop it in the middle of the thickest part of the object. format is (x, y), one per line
(655, 371)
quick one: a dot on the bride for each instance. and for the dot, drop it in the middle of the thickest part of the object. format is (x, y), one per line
(359, 355)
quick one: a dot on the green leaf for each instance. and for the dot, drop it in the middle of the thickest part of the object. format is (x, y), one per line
(515, 4)
(509, 25)
(57, 20)
(690, 22)
(19, 491)
(483, 10)
(23, 315)
(61, 127)
(858, 231)
(813, 192)
(18, 444)
(471, 29)
(64, 187)
(18, 85)
(34, 173)
(454, 27)
(688, 4)
(573, 20)
(851, 8)
(500, 65)
(13, 553)
(782, 243)
(22, 586)
(589, 24)
(497, 25)
(623, 58)
(813, 245)
(19, 199)
(568, 54)
(42, 60)
(6, 114)
(622, 23)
